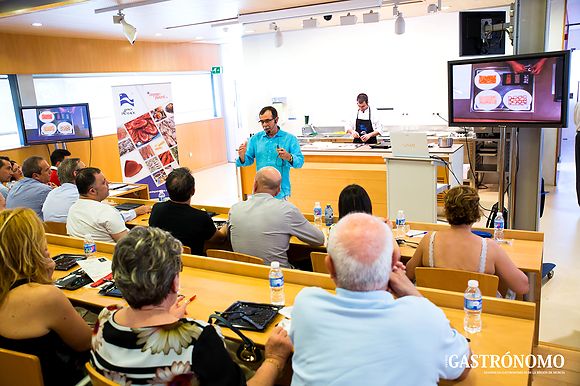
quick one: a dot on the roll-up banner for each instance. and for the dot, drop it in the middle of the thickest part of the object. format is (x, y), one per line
(146, 135)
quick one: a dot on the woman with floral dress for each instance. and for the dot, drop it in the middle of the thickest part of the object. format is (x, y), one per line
(151, 342)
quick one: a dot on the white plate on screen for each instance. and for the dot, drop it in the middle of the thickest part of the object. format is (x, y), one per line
(487, 100)
(48, 129)
(65, 128)
(487, 79)
(517, 100)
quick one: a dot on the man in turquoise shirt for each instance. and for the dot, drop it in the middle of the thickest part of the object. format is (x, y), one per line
(272, 147)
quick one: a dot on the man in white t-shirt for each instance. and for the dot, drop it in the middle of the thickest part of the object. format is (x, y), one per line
(89, 216)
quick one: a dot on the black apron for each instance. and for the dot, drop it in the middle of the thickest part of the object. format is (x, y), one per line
(362, 127)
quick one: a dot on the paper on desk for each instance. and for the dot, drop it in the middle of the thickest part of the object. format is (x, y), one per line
(285, 324)
(96, 268)
(286, 312)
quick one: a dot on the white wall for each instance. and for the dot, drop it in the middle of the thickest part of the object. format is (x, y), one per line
(320, 72)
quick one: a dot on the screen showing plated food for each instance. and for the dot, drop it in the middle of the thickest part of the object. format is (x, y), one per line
(515, 91)
(56, 123)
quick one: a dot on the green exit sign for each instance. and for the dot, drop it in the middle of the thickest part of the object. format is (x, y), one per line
(216, 70)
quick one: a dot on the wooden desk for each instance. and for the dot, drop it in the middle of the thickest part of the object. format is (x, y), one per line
(140, 191)
(507, 325)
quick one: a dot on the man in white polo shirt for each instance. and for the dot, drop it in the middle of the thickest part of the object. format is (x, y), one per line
(89, 216)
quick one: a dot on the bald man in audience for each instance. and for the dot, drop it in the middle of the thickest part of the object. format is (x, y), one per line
(262, 225)
(362, 332)
(90, 216)
(31, 191)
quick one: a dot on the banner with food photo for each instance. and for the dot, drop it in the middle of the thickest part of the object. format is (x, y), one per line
(146, 135)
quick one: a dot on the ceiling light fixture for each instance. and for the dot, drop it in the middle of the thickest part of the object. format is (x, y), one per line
(310, 23)
(309, 10)
(129, 31)
(434, 8)
(348, 19)
(371, 17)
(37, 24)
(278, 38)
(399, 22)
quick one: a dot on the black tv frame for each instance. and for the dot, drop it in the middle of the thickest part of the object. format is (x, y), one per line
(538, 55)
(52, 139)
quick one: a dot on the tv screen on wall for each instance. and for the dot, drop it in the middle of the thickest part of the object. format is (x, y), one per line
(517, 91)
(56, 123)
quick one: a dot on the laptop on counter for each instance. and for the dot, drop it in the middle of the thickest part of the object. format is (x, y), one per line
(411, 144)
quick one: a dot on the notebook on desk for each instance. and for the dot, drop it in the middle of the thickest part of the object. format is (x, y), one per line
(409, 144)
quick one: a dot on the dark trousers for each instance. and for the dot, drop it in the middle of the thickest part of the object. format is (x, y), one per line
(578, 166)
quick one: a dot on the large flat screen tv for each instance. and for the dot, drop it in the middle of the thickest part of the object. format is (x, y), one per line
(56, 123)
(515, 91)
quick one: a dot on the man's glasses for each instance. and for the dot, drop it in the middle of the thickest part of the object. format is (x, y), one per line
(262, 121)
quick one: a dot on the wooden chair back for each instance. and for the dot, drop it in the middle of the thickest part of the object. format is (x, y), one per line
(455, 280)
(318, 264)
(19, 369)
(58, 228)
(235, 256)
(186, 249)
(98, 379)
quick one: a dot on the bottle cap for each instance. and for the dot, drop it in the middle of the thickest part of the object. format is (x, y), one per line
(473, 283)
(275, 264)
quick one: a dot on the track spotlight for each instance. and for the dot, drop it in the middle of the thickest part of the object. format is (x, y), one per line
(309, 23)
(278, 38)
(371, 17)
(348, 19)
(434, 8)
(399, 22)
(129, 30)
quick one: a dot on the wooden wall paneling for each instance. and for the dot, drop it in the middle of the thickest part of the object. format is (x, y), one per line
(202, 144)
(30, 54)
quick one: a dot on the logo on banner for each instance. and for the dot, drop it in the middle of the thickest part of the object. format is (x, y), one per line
(157, 95)
(125, 100)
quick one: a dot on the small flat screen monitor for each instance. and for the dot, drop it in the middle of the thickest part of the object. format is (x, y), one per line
(513, 91)
(56, 123)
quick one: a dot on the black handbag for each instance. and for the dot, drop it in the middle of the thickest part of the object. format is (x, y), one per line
(247, 352)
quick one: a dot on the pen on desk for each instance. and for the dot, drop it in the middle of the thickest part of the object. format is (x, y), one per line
(419, 234)
(192, 298)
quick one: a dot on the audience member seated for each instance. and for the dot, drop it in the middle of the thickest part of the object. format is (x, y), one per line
(363, 332)
(56, 157)
(152, 341)
(90, 216)
(354, 198)
(5, 175)
(16, 174)
(2, 202)
(262, 225)
(189, 225)
(458, 248)
(35, 316)
(31, 191)
(59, 200)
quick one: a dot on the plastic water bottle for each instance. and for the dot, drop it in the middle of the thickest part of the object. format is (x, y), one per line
(328, 215)
(89, 246)
(317, 214)
(400, 223)
(276, 284)
(161, 196)
(472, 307)
(498, 226)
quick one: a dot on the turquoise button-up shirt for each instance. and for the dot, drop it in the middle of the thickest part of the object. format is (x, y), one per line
(263, 149)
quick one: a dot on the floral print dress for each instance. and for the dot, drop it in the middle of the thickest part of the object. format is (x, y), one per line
(186, 352)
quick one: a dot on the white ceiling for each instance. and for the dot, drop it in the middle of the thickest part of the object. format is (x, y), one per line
(78, 19)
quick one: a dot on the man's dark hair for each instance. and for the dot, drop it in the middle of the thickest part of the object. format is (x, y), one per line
(85, 179)
(362, 97)
(180, 185)
(31, 165)
(270, 109)
(58, 156)
(4, 158)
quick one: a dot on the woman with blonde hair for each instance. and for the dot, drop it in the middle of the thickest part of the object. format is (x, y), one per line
(35, 316)
(458, 248)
